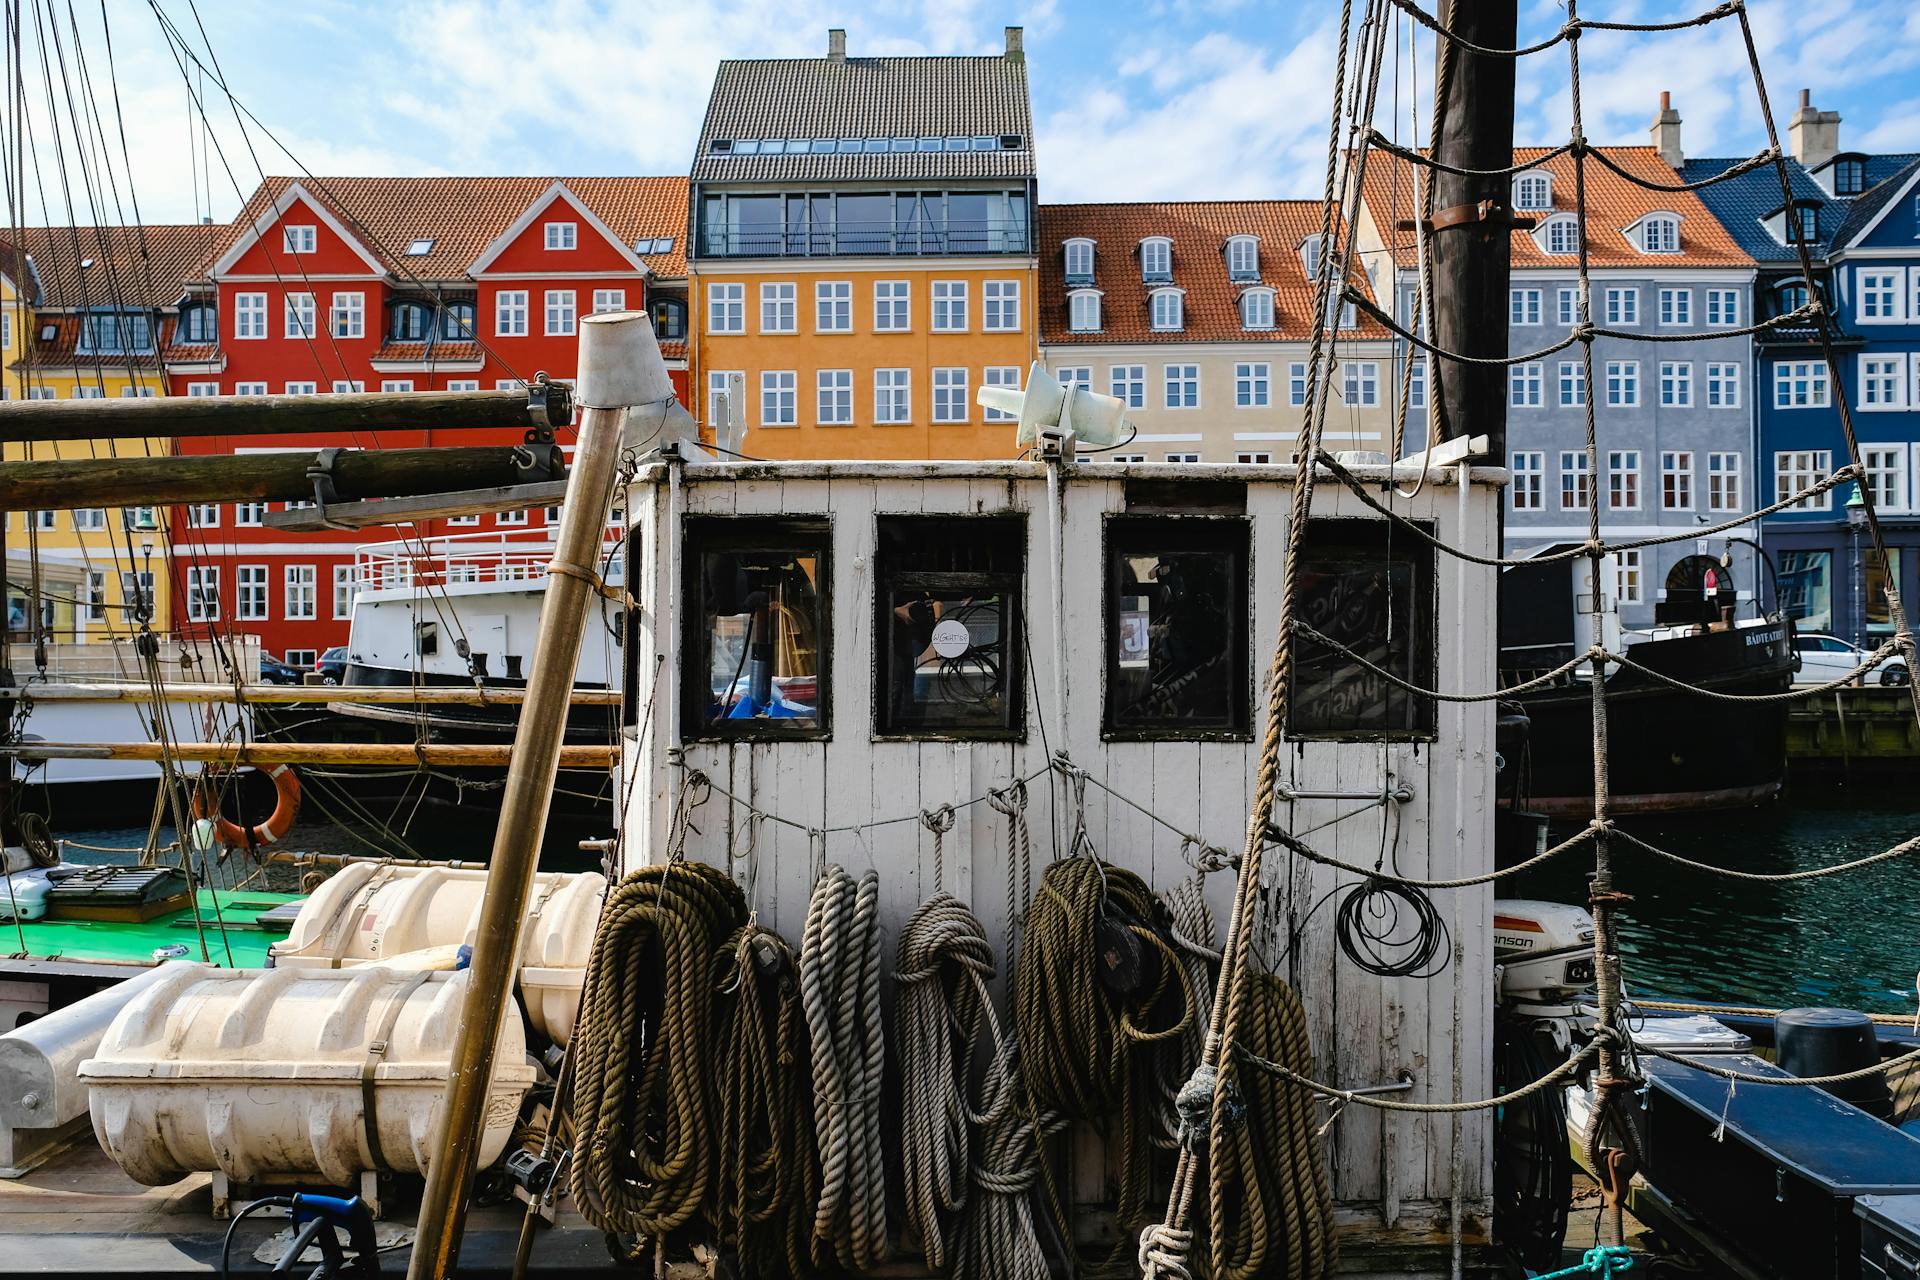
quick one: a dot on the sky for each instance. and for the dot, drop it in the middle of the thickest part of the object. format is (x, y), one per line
(1187, 99)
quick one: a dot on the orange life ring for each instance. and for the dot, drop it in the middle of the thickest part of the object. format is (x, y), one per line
(286, 790)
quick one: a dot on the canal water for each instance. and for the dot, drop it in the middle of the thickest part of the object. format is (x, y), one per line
(1851, 940)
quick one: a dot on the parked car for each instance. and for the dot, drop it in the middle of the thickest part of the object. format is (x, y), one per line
(332, 665)
(1825, 658)
(274, 671)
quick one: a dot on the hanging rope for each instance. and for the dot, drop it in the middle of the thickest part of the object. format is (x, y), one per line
(840, 992)
(769, 1170)
(642, 1104)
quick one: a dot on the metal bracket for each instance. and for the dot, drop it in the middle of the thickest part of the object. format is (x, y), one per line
(320, 472)
(1403, 794)
(1461, 215)
(549, 405)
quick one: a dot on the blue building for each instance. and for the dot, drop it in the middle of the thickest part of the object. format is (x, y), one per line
(1859, 218)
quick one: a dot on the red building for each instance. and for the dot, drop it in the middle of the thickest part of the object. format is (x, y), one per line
(326, 285)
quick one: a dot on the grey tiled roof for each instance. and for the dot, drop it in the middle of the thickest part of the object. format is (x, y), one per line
(867, 98)
(1743, 203)
(1871, 201)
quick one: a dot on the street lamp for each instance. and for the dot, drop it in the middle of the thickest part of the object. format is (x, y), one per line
(1857, 521)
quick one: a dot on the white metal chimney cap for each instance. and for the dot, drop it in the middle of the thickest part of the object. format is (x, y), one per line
(620, 364)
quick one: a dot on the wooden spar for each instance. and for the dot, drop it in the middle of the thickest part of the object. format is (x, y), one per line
(432, 695)
(431, 506)
(65, 483)
(442, 754)
(545, 406)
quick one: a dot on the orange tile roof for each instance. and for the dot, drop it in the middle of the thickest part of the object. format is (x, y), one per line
(1613, 205)
(1199, 231)
(62, 350)
(132, 266)
(462, 216)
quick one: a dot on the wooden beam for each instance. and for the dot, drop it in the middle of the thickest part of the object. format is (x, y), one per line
(1450, 452)
(442, 754)
(389, 474)
(430, 506)
(335, 416)
(379, 695)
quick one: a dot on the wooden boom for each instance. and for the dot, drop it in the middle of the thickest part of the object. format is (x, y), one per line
(443, 754)
(338, 417)
(431, 695)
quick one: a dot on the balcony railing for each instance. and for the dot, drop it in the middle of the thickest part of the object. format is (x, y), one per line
(878, 240)
(519, 555)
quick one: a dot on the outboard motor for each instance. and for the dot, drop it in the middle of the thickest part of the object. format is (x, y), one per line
(1832, 1042)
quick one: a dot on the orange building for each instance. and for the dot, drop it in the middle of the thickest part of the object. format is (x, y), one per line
(862, 252)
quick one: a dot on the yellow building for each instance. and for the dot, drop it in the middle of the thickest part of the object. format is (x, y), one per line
(863, 257)
(88, 310)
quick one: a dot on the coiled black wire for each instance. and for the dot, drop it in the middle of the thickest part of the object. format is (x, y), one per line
(1392, 930)
(1532, 1164)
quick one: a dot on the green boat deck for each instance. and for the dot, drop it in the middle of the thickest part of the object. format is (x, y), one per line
(235, 938)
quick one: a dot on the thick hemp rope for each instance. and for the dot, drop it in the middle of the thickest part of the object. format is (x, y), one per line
(642, 1103)
(769, 1176)
(1088, 1038)
(941, 1005)
(840, 992)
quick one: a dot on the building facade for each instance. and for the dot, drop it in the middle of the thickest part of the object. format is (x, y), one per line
(99, 307)
(395, 284)
(1673, 409)
(863, 257)
(1855, 215)
(1199, 316)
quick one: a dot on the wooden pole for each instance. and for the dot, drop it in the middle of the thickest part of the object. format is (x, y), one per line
(1468, 243)
(335, 416)
(620, 368)
(66, 483)
(444, 754)
(452, 695)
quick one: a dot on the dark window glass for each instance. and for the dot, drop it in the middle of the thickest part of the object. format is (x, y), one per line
(969, 222)
(1849, 177)
(669, 318)
(1806, 588)
(948, 623)
(1372, 592)
(410, 322)
(1806, 222)
(753, 225)
(1792, 298)
(756, 629)
(198, 324)
(456, 320)
(864, 224)
(1176, 627)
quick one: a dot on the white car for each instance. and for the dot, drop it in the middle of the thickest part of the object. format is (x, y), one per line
(1825, 658)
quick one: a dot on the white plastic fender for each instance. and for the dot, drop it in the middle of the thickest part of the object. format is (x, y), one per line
(258, 1073)
(371, 913)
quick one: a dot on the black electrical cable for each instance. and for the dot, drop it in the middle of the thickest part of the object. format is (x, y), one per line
(1392, 930)
(1532, 1164)
(226, 1245)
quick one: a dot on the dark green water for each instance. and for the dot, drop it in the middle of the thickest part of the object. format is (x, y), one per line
(1851, 940)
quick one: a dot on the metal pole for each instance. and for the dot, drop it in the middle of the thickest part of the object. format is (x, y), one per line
(618, 360)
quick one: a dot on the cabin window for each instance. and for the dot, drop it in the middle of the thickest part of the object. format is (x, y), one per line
(756, 645)
(1370, 588)
(1176, 627)
(948, 626)
(426, 639)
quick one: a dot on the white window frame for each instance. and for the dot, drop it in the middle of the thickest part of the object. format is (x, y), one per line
(203, 515)
(949, 306)
(951, 395)
(1256, 309)
(1168, 309)
(1576, 481)
(1723, 384)
(1883, 382)
(300, 585)
(95, 596)
(727, 308)
(1360, 384)
(1629, 577)
(1083, 311)
(249, 515)
(1788, 377)
(510, 313)
(86, 518)
(1299, 381)
(1723, 308)
(1078, 248)
(1180, 386)
(1885, 475)
(1676, 384)
(1127, 383)
(1572, 384)
(606, 300)
(1529, 480)
(1623, 384)
(1526, 385)
(1243, 257)
(1798, 469)
(1252, 384)
(833, 306)
(348, 387)
(1724, 481)
(1623, 480)
(250, 599)
(1000, 306)
(203, 593)
(1156, 258)
(1559, 235)
(348, 314)
(346, 588)
(1676, 465)
(1567, 307)
(300, 316)
(202, 389)
(299, 237)
(833, 397)
(1524, 306)
(1676, 307)
(396, 384)
(1660, 233)
(303, 388)
(1000, 375)
(1525, 186)
(561, 310)
(779, 307)
(1623, 306)
(1881, 294)
(892, 306)
(892, 396)
(562, 236)
(779, 392)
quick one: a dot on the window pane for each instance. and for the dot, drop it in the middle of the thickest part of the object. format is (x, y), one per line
(1373, 594)
(759, 645)
(948, 624)
(1875, 608)
(1806, 588)
(1177, 627)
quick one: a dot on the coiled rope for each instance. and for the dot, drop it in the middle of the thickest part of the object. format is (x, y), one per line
(942, 1004)
(644, 1155)
(840, 992)
(769, 1169)
(1088, 1037)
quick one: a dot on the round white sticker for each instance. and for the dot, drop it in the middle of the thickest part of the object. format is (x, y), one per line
(950, 638)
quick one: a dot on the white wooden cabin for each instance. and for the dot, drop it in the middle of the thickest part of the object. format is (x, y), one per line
(850, 528)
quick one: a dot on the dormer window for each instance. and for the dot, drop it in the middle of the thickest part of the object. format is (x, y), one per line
(411, 321)
(1256, 309)
(1559, 234)
(297, 239)
(199, 323)
(1533, 192)
(1079, 261)
(1849, 175)
(1656, 233)
(1310, 256)
(1805, 223)
(1083, 311)
(1169, 310)
(1243, 258)
(1156, 259)
(563, 235)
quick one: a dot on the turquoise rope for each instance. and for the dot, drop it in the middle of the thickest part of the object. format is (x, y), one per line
(1603, 1260)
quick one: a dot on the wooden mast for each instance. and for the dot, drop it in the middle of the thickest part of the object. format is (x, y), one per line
(544, 406)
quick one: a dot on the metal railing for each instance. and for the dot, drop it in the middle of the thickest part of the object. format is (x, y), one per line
(506, 555)
(956, 238)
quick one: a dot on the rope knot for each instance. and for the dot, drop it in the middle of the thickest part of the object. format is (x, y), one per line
(940, 820)
(1194, 1104)
(1163, 1252)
